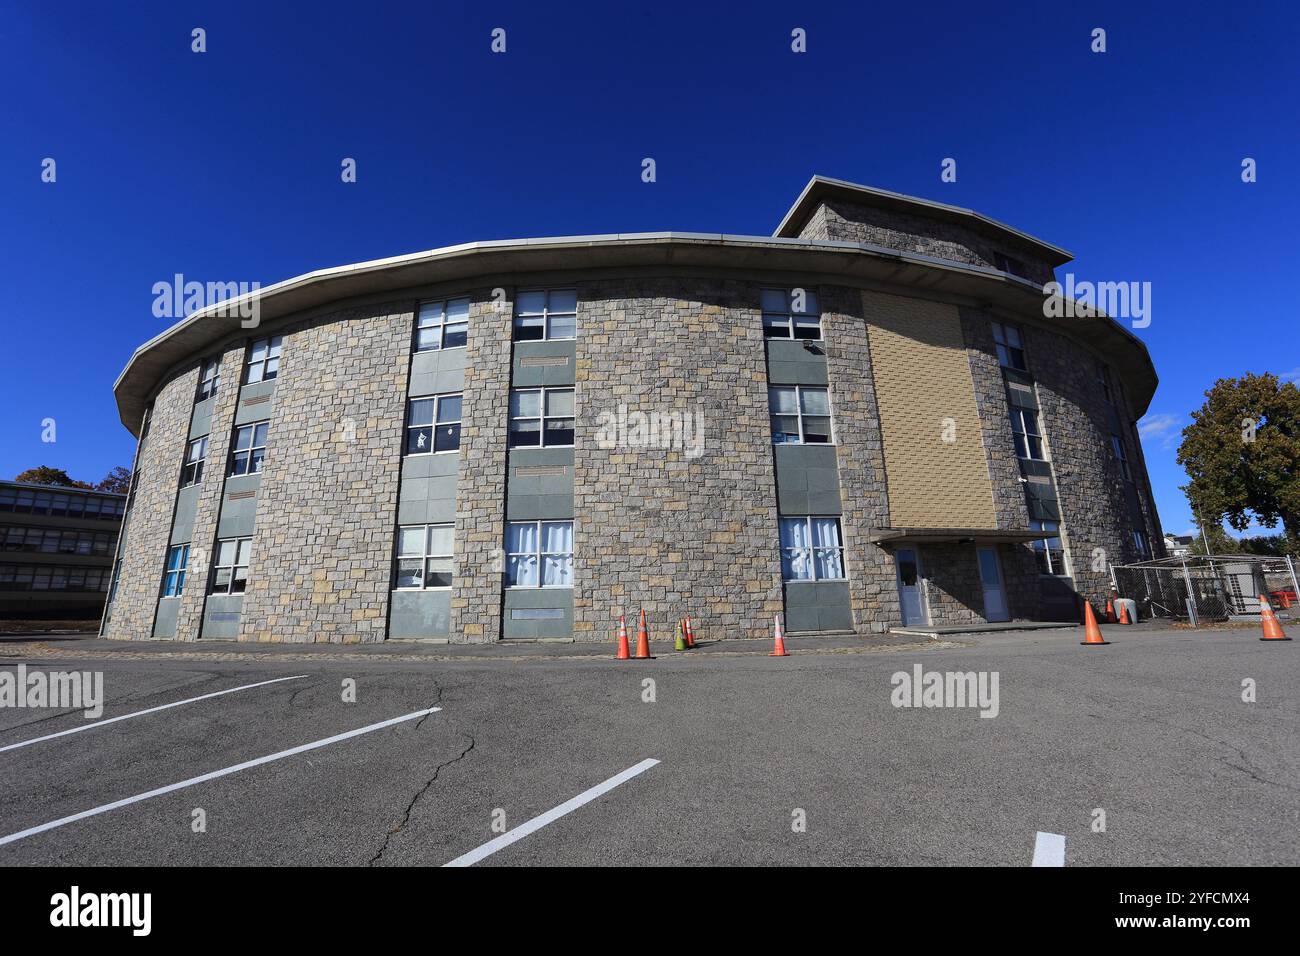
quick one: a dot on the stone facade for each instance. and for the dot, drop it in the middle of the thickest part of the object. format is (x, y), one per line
(1090, 487)
(148, 522)
(481, 486)
(211, 494)
(657, 528)
(321, 567)
(678, 522)
(854, 222)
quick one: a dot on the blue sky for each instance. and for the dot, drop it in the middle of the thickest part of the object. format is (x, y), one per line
(225, 165)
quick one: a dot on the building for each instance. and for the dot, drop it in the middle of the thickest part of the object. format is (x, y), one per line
(861, 421)
(56, 550)
(1178, 545)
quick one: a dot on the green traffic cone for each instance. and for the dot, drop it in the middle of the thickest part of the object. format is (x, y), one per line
(681, 643)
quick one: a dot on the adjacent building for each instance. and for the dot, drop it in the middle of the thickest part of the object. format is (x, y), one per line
(56, 550)
(862, 421)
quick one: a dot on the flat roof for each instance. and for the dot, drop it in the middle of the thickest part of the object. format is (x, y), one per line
(821, 188)
(80, 491)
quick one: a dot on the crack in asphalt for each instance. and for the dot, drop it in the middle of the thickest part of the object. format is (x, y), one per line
(406, 816)
(1249, 770)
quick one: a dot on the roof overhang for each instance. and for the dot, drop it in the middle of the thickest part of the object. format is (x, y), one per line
(952, 536)
(762, 257)
(822, 188)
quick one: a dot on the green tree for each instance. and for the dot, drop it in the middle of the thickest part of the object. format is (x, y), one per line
(1242, 454)
(45, 475)
(118, 480)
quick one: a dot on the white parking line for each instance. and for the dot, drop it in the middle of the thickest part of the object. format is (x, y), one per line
(141, 713)
(204, 778)
(1049, 849)
(550, 816)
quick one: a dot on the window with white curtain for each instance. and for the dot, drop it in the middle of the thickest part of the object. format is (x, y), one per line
(539, 554)
(811, 549)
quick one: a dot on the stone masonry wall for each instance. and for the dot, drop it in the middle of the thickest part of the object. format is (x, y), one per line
(1089, 485)
(481, 481)
(860, 457)
(148, 527)
(655, 528)
(207, 512)
(1019, 566)
(321, 565)
(854, 222)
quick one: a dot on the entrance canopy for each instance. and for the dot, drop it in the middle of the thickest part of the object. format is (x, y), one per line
(891, 536)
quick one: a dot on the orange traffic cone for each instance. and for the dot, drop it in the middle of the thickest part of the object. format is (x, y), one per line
(778, 648)
(1110, 611)
(1123, 614)
(622, 653)
(690, 632)
(642, 640)
(1272, 629)
(1091, 632)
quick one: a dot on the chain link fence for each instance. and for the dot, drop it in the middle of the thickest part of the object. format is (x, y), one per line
(1200, 588)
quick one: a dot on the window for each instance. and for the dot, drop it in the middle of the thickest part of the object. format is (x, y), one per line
(263, 360)
(541, 417)
(1050, 553)
(117, 571)
(1006, 263)
(249, 449)
(209, 379)
(53, 541)
(800, 416)
(1011, 354)
(1117, 449)
(811, 549)
(539, 554)
(1140, 542)
(178, 559)
(791, 314)
(45, 577)
(1103, 382)
(424, 556)
(432, 424)
(230, 571)
(195, 454)
(442, 325)
(551, 314)
(1029, 440)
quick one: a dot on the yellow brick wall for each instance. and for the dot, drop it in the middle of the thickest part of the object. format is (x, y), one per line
(923, 380)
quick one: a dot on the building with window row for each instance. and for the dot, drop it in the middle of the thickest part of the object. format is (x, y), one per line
(866, 420)
(56, 550)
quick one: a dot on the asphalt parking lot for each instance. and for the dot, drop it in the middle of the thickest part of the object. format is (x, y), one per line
(1151, 729)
